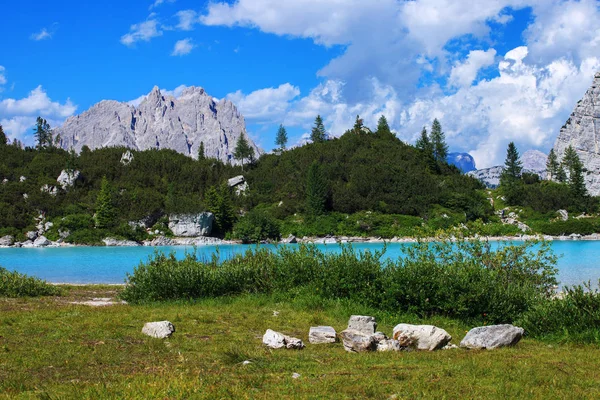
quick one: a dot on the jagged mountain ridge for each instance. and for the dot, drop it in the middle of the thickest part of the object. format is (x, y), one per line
(160, 122)
(582, 131)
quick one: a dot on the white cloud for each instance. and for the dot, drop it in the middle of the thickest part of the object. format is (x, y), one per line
(159, 2)
(187, 19)
(41, 35)
(265, 105)
(143, 31)
(183, 47)
(18, 115)
(464, 73)
(2, 76)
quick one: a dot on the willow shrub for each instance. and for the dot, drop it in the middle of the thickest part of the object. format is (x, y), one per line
(463, 279)
(14, 284)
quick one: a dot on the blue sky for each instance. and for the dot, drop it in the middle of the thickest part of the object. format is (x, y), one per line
(492, 72)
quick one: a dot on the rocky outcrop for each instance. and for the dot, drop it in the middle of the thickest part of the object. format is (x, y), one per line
(582, 131)
(534, 162)
(239, 184)
(7, 240)
(492, 337)
(111, 242)
(126, 158)
(490, 177)
(66, 179)
(50, 189)
(191, 225)
(161, 122)
(158, 330)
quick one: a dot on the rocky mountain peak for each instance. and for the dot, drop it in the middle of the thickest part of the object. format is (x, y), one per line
(161, 121)
(582, 131)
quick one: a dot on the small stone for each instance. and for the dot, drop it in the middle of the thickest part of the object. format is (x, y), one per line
(246, 362)
(31, 235)
(276, 313)
(158, 330)
(362, 323)
(380, 336)
(356, 342)
(276, 340)
(296, 375)
(450, 346)
(321, 334)
(389, 345)
(492, 337)
(563, 215)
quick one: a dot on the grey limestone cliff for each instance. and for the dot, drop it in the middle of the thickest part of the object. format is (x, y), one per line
(160, 122)
(582, 131)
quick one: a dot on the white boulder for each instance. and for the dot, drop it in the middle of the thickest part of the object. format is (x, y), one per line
(276, 340)
(158, 330)
(321, 334)
(67, 179)
(492, 337)
(363, 323)
(422, 337)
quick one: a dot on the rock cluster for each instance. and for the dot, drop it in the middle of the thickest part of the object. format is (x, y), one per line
(582, 131)
(160, 121)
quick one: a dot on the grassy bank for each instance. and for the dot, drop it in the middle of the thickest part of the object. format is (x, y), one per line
(53, 349)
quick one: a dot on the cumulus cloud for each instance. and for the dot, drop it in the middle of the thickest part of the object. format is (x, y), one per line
(187, 19)
(183, 47)
(465, 72)
(265, 105)
(144, 31)
(18, 115)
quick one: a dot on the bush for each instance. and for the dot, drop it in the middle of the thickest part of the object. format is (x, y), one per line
(92, 237)
(467, 280)
(14, 284)
(573, 317)
(559, 228)
(256, 226)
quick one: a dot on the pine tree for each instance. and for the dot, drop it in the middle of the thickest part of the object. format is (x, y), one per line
(574, 166)
(43, 133)
(3, 138)
(281, 138)
(552, 166)
(438, 142)
(316, 190)
(510, 180)
(318, 134)
(105, 209)
(424, 143)
(243, 150)
(201, 154)
(383, 128)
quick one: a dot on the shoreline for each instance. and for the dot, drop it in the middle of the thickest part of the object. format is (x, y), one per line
(211, 241)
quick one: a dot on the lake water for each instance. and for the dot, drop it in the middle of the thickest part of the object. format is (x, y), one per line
(580, 261)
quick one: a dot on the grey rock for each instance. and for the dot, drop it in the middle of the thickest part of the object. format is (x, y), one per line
(276, 340)
(490, 177)
(63, 234)
(582, 131)
(22, 179)
(41, 241)
(67, 179)
(296, 375)
(356, 342)
(492, 337)
(290, 240)
(563, 215)
(50, 189)
(31, 235)
(422, 337)
(380, 336)
(7, 240)
(159, 329)
(191, 225)
(111, 242)
(534, 162)
(321, 334)
(127, 158)
(4, 181)
(161, 122)
(159, 241)
(389, 345)
(27, 243)
(362, 323)
(239, 184)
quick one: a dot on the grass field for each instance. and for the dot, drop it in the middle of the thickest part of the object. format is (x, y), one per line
(50, 348)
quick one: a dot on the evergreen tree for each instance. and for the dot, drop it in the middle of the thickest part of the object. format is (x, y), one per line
(358, 124)
(218, 201)
(438, 142)
(383, 128)
(43, 133)
(424, 143)
(316, 190)
(281, 138)
(243, 150)
(201, 154)
(574, 167)
(105, 209)
(3, 138)
(552, 166)
(510, 180)
(318, 134)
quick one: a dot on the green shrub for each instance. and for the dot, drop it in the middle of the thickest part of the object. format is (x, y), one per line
(466, 279)
(256, 226)
(575, 316)
(14, 284)
(92, 237)
(559, 228)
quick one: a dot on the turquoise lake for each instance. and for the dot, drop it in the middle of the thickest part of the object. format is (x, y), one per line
(579, 261)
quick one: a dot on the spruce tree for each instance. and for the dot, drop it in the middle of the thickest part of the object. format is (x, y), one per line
(281, 138)
(424, 143)
(552, 166)
(3, 138)
(383, 128)
(243, 150)
(201, 154)
(438, 142)
(358, 124)
(510, 180)
(218, 201)
(318, 134)
(105, 209)
(316, 190)
(43, 133)
(574, 167)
